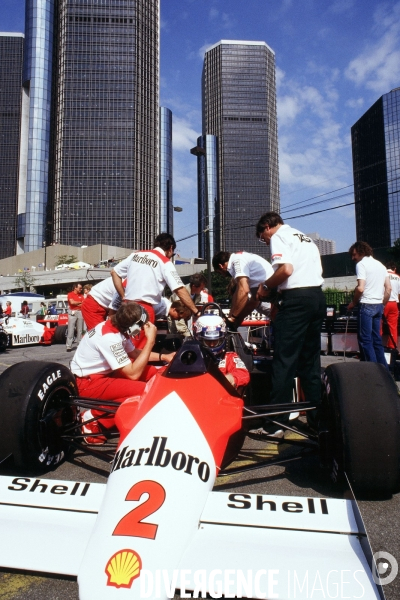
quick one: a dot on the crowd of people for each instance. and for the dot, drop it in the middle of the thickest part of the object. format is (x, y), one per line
(111, 360)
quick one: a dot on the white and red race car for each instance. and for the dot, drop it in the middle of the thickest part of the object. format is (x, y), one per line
(157, 525)
(25, 332)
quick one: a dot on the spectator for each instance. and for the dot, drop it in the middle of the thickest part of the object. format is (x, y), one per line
(7, 310)
(75, 319)
(86, 289)
(24, 312)
(42, 309)
(371, 294)
(391, 310)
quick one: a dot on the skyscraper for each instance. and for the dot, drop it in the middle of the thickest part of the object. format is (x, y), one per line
(239, 108)
(376, 150)
(11, 53)
(166, 202)
(92, 76)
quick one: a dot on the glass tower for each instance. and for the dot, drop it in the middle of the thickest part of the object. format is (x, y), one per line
(35, 133)
(11, 54)
(166, 201)
(207, 175)
(106, 130)
(376, 164)
(239, 108)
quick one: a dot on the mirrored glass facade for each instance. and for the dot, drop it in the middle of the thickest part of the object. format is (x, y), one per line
(106, 140)
(376, 166)
(37, 82)
(166, 200)
(11, 55)
(239, 108)
(207, 173)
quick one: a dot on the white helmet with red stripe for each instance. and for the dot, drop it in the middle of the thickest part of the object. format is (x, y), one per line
(210, 331)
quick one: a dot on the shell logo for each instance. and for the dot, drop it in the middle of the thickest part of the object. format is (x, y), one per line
(122, 568)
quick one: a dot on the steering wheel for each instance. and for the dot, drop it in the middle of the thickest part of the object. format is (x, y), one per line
(214, 305)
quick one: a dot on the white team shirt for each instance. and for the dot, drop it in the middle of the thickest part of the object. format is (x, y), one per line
(374, 274)
(103, 349)
(103, 292)
(245, 264)
(395, 283)
(160, 310)
(148, 272)
(289, 245)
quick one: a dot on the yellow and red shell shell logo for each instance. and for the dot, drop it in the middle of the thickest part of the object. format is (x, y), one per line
(123, 567)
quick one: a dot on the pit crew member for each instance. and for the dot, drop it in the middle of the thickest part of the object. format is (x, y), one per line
(296, 263)
(198, 293)
(371, 294)
(75, 299)
(108, 366)
(148, 272)
(249, 272)
(391, 310)
(95, 306)
(210, 331)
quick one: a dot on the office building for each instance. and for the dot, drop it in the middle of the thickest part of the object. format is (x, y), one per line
(208, 194)
(376, 151)
(166, 203)
(239, 109)
(91, 74)
(324, 246)
(11, 54)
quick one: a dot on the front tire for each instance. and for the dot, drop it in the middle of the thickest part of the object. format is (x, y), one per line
(3, 341)
(35, 411)
(60, 334)
(361, 411)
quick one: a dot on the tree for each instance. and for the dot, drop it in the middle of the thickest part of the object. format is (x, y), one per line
(219, 285)
(65, 259)
(26, 281)
(395, 251)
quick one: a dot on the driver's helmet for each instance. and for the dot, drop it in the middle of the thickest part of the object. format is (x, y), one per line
(210, 331)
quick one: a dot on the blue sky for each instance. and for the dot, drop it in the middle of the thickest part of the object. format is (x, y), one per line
(334, 59)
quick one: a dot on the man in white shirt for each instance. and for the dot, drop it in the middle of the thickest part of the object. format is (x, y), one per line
(297, 327)
(147, 273)
(249, 272)
(371, 294)
(107, 365)
(391, 310)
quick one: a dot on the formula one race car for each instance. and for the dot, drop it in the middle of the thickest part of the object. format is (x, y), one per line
(24, 332)
(157, 525)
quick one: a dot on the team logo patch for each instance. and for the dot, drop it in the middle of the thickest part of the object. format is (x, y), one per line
(123, 568)
(119, 352)
(275, 256)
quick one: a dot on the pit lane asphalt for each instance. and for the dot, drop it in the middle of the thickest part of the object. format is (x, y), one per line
(302, 477)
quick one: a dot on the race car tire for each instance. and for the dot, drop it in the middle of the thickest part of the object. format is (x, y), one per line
(3, 341)
(361, 409)
(60, 334)
(34, 413)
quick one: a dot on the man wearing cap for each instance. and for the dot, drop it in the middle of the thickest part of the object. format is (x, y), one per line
(296, 263)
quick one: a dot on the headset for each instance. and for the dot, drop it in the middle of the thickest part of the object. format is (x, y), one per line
(136, 327)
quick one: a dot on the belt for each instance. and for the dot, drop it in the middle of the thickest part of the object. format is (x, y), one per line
(302, 289)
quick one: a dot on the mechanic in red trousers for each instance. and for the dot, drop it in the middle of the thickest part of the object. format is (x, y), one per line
(391, 310)
(95, 306)
(148, 272)
(210, 331)
(107, 365)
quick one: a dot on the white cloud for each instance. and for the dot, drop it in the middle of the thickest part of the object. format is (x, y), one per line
(355, 102)
(184, 136)
(341, 6)
(377, 67)
(202, 50)
(213, 14)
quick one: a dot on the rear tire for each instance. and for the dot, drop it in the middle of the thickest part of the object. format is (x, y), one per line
(361, 411)
(3, 341)
(60, 334)
(34, 413)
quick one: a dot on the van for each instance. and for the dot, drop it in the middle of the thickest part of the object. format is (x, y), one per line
(17, 298)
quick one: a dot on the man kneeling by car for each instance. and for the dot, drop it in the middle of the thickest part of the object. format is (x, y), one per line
(107, 365)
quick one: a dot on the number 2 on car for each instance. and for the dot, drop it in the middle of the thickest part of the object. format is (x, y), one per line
(131, 524)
